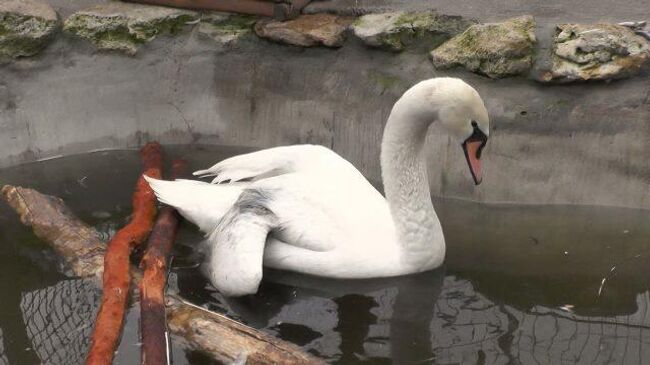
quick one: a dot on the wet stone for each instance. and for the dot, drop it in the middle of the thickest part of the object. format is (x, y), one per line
(603, 51)
(493, 49)
(224, 28)
(397, 31)
(124, 27)
(306, 31)
(26, 27)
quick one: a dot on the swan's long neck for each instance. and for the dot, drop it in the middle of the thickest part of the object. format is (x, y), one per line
(406, 184)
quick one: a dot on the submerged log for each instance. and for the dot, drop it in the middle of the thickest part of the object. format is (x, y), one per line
(115, 294)
(206, 331)
(153, 326)
(210, 333)
(79, 245)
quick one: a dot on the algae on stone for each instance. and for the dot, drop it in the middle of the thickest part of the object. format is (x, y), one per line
(397, 31)
(596, 52)
(306, 30)
(123, 26)
(26, 26)
(494, 49)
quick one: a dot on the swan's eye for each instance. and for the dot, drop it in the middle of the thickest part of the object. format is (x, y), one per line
(474, 124)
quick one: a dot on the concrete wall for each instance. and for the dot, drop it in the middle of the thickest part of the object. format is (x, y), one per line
(583, 143)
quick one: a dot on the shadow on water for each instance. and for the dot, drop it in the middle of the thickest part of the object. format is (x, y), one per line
(521, 284)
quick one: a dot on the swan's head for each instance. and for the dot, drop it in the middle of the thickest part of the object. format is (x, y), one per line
(459, 109)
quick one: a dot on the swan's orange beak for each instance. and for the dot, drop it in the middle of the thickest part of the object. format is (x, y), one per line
(472, 147)
(473, 155)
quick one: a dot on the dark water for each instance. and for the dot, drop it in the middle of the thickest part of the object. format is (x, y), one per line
(521, 284)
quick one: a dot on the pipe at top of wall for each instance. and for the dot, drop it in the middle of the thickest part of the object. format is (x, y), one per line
(280, 10)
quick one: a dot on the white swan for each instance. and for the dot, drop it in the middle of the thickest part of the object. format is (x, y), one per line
(306, 209)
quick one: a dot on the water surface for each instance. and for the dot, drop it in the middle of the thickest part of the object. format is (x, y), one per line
(520, 284)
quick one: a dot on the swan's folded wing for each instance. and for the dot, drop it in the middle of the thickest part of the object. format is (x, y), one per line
(273, 162)
(199, 202)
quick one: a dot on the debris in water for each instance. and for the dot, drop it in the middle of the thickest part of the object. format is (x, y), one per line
(602, 284)
(567, 308)
(82, 182)
(100, 214)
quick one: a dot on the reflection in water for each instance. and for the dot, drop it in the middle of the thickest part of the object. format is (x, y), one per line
(410, 322)
(521, 284)
(59, 320)
(3, 357)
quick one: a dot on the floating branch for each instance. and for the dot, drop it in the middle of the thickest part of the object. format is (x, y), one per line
(110, 319)
(212, 334)
(152, 287)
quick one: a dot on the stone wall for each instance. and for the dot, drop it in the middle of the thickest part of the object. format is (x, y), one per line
(116, 75)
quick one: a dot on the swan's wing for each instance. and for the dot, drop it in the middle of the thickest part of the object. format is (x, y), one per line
(320, 212)
(273, 162)
(307, 218)
(199, 202)
(322, 222)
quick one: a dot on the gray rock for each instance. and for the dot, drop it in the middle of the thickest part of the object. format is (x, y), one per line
(26, 26)
(396, 31)
(306, 30)
(124, 26)
(596, 52)
(224, 28)
(495, 49)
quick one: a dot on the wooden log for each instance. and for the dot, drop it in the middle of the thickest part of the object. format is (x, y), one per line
(192, 326)
(115, 294)
(202, 330)
(79, 245)
(153, 326)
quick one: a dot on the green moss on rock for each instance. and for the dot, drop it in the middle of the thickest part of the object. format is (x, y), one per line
(225, 28)
(601, 51)
(397, 31)
(495, 49)
(123, 27)
(26, 27)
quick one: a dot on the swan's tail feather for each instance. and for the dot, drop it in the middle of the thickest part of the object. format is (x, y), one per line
(201, 203)
(237, 246)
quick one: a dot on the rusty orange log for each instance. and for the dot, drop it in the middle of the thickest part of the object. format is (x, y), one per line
(116, 279)
(153, 325)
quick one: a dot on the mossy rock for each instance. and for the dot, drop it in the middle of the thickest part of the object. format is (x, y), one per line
(397, 31)
(601, 51)
(495, 49)
(225, 28)
(26, 27)
(123, 26)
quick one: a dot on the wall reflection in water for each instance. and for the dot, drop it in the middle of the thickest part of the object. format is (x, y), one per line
(427, 318)
(434, 318)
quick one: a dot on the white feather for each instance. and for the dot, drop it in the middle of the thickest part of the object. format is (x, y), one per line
(199, 202)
